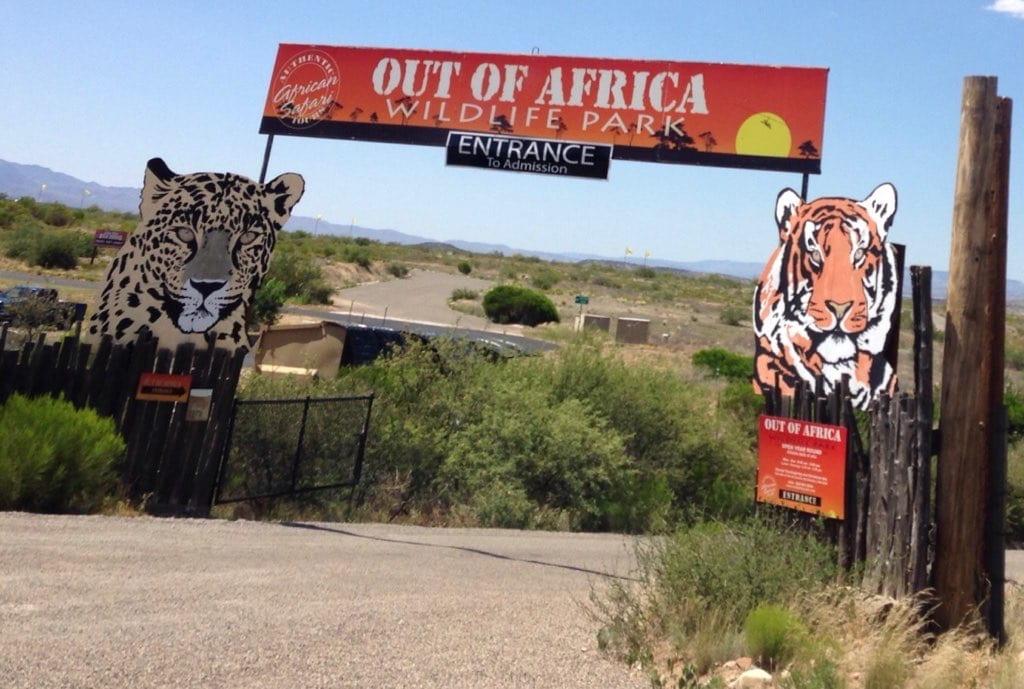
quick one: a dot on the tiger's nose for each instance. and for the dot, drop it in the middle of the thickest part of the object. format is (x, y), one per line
(838, 308)
(207, 287)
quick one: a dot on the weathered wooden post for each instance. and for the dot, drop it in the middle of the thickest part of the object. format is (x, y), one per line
(964, 573)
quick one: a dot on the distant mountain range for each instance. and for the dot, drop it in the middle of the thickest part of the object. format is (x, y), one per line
(44, 184)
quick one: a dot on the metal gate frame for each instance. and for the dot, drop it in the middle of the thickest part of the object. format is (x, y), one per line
(357, 470)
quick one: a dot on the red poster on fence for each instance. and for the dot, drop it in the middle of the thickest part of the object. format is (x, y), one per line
(801, 465)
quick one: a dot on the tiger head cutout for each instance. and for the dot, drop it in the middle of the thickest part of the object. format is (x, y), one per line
(824, 304)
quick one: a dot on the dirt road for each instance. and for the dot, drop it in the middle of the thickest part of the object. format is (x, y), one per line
(118, 602)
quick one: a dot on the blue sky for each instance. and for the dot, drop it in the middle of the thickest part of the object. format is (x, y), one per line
(95, 89)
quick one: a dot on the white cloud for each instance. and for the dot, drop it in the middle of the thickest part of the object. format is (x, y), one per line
(1014, 8)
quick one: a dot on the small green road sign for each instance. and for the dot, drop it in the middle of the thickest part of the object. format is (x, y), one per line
(582, 299)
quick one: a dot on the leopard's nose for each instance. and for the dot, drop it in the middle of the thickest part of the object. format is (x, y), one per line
(207, 287)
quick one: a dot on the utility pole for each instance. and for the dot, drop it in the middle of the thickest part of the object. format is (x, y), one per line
(968, 573)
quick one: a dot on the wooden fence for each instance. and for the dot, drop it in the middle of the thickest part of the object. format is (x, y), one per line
(170, 463)
(888, 501)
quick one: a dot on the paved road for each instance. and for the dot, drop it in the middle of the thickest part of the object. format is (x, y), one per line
(422, 296)
(118, 602)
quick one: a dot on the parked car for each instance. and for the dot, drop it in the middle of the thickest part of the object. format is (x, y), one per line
(62, 314)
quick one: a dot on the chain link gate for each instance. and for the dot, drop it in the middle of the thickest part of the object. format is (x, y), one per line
(280, 448)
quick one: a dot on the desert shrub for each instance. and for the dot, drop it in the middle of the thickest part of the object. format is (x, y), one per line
(544, 279)
(669, 428)
(559, 456)
(588, 441)
(57, 215)
(1015, 358)
(21, 243)
(1014, 401)
(463, 293)
(301, 276)
(514, 304)
(32, 314)
(699, 587)
(733, 315)
(362, 241)
(774, 635)
(399, 270)
(357, 254)
(465, 267)
(56, 250)
(1015, 494)
(7, 215)
(268, 301)
(725, 364)
(54, 457)
(605, 281)
(646, 273)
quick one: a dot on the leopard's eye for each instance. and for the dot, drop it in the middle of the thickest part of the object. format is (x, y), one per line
(248, 237)
(858, 256)
(186, 235)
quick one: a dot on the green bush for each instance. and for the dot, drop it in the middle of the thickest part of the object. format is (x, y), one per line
(357, 254)
(704, 582)
(725, 364)
(58, 216)
(774, 635)
(54, 457)
(268, 301)
(463, 293)
(1015, 494)
(56, 250)
(733, 315)
(465, 267)
(646, 273)
(590, 441)
(545, 279)
(1014, 402)
(514, 304)
(301, 276)
(559, 456)
(399, 270)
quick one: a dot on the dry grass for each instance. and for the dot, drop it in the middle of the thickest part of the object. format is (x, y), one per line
(887, 645)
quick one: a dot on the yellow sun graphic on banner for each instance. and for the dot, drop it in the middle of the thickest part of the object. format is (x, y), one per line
(764, 134)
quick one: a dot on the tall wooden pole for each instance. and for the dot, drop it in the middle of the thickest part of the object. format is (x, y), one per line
(972, 367)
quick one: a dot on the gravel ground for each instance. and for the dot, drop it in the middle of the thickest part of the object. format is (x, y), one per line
(123, 602)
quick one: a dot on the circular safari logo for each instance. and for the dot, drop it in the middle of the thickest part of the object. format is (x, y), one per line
(306, 89)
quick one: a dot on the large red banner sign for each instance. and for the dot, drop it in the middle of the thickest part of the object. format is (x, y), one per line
(672, 112)
(802, 465)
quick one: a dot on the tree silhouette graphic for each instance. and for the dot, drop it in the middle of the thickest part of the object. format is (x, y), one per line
(356, 112)
(373, 117)
(631, 129)
(673, 140)
(809, 150)
(560, 126)
(501, 125)
(709, 140)
(437, 120)
(404, 102)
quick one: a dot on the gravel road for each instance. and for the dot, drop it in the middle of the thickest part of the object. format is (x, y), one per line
(143, 602)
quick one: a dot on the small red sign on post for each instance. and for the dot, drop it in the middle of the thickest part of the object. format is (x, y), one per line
(112, 238)
(163, 387)
(802, 465)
